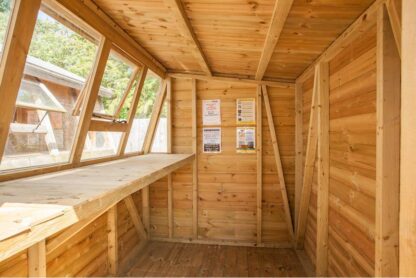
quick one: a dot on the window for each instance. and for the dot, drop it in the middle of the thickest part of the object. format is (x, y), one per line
(144, 111)
(119, 77)
(160, 140)
(100, 144)
(60, 59)
(35, 95)
(5, 12)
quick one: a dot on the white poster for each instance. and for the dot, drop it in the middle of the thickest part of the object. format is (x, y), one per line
(211, 112)
(246, 111)
(212, 140)
(246, 139)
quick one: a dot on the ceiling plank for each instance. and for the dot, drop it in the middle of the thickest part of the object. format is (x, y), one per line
(280, 13)
(185, 28)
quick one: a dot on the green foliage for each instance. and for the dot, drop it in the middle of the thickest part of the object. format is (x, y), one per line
(54, 43)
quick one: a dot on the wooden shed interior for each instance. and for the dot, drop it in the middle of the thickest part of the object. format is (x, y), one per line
(289, 138)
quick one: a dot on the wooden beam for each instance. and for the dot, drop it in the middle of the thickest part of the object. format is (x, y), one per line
(133, 109)
(90, 100)
(135, 217)
(234, 79)
(309, 167)
(154, 119)
(90, 13)
(388, 149)
(16, 47)
(395, 22)
(146, 210)
(408, 143)
(103, 125)
(112, 241)
(123, 99)
(298, 147)
(280, 13)
(185, 28)
(36, 259)
(195, 162)
(363, 23)
(278, 161)
(170, 182)
(323, 172)
(259, 158)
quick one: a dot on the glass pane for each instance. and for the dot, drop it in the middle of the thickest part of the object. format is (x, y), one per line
(43, 129)
(116, 79)
(144, 111)
(101, 144)
(160, 141)
(36, 95)
(5, 12)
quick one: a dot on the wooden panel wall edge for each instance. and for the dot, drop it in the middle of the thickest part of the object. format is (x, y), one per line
(259, 158)
(408, 143)
(298, 147)
(323, 172)
(13, 62)
(195, 162)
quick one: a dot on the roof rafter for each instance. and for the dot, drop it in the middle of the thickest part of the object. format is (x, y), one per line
(280, 13)
(185, 28)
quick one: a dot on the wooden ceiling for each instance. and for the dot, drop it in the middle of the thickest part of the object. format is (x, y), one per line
(227, 37)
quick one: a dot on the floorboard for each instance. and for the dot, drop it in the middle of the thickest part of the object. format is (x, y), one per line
(165, 259)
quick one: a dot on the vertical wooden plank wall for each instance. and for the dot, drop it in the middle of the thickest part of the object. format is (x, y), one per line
(282, 102)
(352, 159)
(227, 190)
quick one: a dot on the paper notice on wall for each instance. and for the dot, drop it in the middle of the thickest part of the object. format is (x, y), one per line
(211, 140)
(211, 112)
(246, 139)
(246, 111)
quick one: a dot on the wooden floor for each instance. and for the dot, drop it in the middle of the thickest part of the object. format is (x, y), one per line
(162, 259)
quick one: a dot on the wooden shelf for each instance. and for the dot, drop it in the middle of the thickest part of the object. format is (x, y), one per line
(32, 209)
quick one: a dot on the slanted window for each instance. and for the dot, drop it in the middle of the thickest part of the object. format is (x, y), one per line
(160, 140)
(5, 12)
(35, 95)
(141, 121)
(60, 58)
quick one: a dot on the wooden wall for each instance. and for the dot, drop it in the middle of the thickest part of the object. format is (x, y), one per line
(310, 233)
(85, 254)
(352, 160)
(226, 181)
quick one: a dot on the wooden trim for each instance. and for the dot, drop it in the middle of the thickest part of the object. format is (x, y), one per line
(132, 111)
(123, 99)
(185, 28)
(408, 143)
(280, 13)
(170, 182)
(112, 241)
(259, 158)
(359, 27)
(90, 100)
(157, 109)
(298, 147)
(91, 14)
(323, 172)
(234, 79)
(396, 24)
(388, 149)
(195, 162)
(278, 161)
(309, 167)
(135, 217)
(13, 61)
(36, 259)
(146, 209)
(225, 242)
(104, 126)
